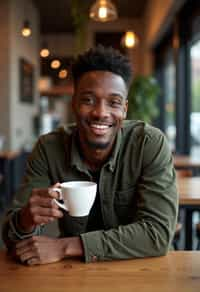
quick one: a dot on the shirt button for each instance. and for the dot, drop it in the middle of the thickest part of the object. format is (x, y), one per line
(94, 258)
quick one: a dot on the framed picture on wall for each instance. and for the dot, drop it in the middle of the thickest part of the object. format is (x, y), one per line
(26, 75)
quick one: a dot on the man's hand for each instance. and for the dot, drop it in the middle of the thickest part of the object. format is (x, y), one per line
(40, 209)
(39, 250)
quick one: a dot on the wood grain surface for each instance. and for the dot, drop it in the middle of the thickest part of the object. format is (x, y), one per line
(178, 271)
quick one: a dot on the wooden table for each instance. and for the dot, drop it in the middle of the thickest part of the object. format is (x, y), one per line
(176, 272)
(189, 190)
(189, 199)
(186, 162)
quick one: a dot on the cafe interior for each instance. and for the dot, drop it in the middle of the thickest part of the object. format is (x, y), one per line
(40, 39)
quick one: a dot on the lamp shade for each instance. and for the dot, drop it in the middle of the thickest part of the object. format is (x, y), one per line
(103, 11)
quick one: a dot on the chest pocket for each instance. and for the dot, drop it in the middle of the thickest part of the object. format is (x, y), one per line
(125, 205)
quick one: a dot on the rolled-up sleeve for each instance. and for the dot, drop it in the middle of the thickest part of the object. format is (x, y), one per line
(36, 177)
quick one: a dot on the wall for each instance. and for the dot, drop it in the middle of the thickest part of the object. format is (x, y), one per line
(21, 128)
(16, 117)
(4, 69)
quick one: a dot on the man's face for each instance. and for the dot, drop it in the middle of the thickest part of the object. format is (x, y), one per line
(99, 105)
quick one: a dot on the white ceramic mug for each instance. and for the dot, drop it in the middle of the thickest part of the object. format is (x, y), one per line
(78, 197)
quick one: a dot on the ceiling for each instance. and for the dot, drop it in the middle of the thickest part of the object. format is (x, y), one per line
(55, 14)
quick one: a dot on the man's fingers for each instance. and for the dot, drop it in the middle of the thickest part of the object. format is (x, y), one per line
(43, 202)
(27, 256)
(54, 193)
(48, 192)
(40, 220)
(24, 249)
(46, 212)
(26, 242)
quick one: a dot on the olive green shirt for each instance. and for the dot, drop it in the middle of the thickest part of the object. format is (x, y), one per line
(137, 192)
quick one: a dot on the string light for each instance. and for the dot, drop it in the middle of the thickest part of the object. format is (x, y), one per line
(63, 74)
(55, 64)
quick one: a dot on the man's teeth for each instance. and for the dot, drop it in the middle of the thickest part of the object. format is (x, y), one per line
(99, 126)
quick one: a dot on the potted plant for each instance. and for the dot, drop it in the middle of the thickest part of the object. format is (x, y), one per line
(79, 16)
(142, 98)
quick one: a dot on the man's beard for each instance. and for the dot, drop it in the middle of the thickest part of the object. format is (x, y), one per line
(98, 145)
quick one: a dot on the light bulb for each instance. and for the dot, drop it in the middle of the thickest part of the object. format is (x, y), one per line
(63, 74)
(55, 64)
(44, 53)
(102, 12)
(26, 30)
(130, 39)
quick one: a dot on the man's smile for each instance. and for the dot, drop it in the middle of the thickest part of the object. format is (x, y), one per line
(99, 128)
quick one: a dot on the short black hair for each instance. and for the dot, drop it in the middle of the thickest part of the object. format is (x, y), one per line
(102, 58)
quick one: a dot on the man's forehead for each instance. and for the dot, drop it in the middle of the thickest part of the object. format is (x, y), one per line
(101, 78)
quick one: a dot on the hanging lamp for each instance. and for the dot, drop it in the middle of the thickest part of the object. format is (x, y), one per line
(26, 29)
(103, 11)
(130, 39)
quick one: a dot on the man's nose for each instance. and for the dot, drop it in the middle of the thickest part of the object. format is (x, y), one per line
(101, 110)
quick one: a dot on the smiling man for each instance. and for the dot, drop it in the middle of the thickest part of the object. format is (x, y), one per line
(134, 213)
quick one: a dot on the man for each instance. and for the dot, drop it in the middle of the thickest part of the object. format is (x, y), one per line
(134, 214)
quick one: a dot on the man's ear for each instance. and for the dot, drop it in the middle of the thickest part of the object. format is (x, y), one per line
(125, 109)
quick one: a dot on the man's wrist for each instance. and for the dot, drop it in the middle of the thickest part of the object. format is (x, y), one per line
(73, 247)
(23, 221)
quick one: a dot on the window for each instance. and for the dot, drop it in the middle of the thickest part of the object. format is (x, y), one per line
(170, 95)
(195, 98)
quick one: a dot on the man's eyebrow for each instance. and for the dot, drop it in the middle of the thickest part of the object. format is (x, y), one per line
(117, 95)
(86, 91)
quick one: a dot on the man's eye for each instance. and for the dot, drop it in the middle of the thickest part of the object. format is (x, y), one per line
(87, 100)
(115, 103)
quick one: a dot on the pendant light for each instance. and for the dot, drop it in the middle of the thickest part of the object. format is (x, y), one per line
(130, 39)
(26, 29)
(103, 11)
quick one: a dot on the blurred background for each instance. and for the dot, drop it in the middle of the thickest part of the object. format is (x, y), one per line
(38, 41)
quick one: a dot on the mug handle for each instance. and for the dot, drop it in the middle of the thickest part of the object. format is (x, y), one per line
(61, 205)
